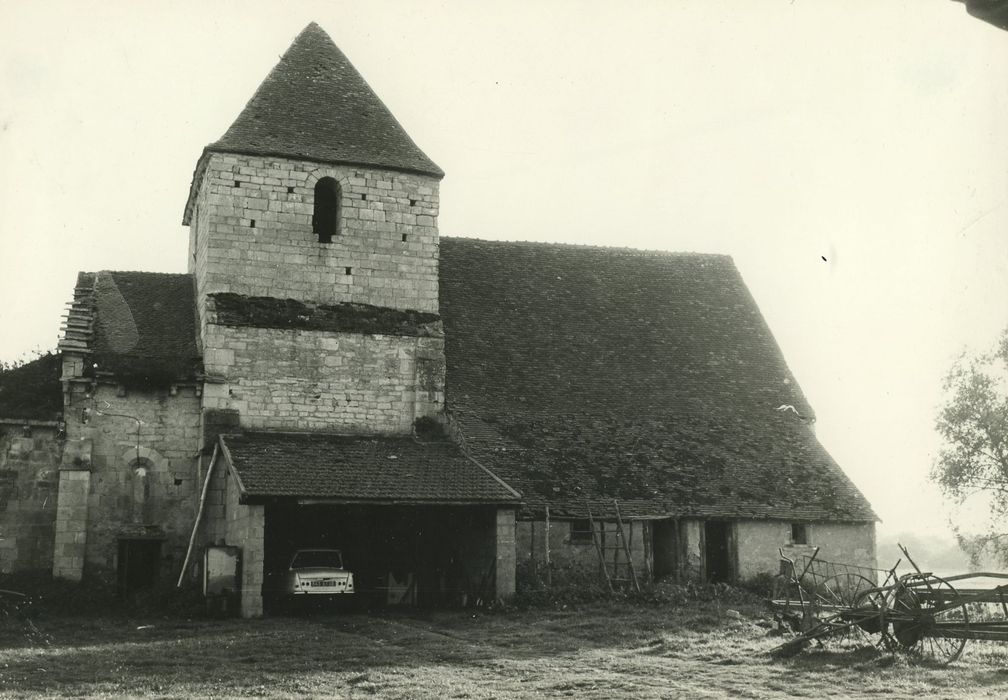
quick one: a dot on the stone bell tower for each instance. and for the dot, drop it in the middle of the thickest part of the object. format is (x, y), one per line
(314, 248)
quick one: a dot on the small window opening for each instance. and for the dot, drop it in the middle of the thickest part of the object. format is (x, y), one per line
(580, 531)
(404, 238)
(363, 197)
(252, 223)
(290, 190)
(325, 219)
(412, 202)
(349, 270)
(799, 533)
(237, 183)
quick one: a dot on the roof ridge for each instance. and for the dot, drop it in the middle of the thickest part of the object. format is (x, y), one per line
(140, 272)
(623, 251)
(297, 434)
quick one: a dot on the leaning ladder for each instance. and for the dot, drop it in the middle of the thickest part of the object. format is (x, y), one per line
(620, 546)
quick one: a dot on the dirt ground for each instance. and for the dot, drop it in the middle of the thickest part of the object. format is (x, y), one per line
(602, 651)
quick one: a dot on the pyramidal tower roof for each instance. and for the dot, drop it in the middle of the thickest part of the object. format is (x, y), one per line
(314, 105)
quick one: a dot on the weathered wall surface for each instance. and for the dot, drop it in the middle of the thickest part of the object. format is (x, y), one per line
(229, 522)
(138, 492)
(579, 559)
(386, 253)
(504, 567)
(29, 479)
(758, 543)
(316, 380)
(691, 532)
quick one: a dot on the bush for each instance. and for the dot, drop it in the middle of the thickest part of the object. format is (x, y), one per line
(52, 597)
(97, 596)
(573, 588)
(761, 585)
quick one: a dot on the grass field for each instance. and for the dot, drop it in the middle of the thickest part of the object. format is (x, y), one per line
(602, 651)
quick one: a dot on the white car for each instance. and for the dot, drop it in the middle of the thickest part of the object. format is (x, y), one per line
(318, 572)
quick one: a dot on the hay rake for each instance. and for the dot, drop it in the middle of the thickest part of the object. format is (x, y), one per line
(918, 614)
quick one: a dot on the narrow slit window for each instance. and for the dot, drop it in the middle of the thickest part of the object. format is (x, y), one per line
(799, 533)
(326, 216)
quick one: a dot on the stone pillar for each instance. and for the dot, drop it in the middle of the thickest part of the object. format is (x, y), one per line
(506, 552)
(71, 524)
(252, 563)
(691, 532)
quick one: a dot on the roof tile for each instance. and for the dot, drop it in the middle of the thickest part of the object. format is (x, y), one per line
(315, 106)
(360, 469)
(585, 374)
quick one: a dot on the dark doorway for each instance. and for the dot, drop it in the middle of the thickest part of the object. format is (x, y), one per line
(400, 555)
(139, 561)
(717, 551)
(666, 547)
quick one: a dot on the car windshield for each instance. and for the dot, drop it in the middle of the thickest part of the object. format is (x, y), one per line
(330, 558)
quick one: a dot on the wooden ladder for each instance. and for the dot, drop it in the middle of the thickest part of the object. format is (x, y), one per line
(621, 545)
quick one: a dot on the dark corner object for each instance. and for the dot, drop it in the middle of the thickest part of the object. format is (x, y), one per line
(992, 11)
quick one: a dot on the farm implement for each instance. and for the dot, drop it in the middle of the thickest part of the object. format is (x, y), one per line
(926, 617)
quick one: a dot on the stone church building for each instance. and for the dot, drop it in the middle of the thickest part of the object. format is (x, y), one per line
(456, 415)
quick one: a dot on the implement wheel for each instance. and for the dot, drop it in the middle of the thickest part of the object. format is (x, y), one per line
(860, 606)
(926, 620)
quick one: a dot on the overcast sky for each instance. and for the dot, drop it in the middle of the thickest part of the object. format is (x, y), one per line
(851, 155)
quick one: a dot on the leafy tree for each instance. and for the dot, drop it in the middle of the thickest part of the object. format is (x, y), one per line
(973, 463)
(30, 388)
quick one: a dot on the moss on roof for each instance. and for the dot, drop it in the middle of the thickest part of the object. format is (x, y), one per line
(585, 374)
(268, 312)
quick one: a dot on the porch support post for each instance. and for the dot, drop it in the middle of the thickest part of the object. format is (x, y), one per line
(506, 551)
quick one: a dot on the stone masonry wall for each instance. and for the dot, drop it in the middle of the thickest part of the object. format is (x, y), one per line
(227, 521)
(241, 526)
(29, 479)
(316, 380)
(759, 541)
(578, 559)
(123, 501)
(251, 233)
(692, 534)
(504, 567)
(70, 541)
